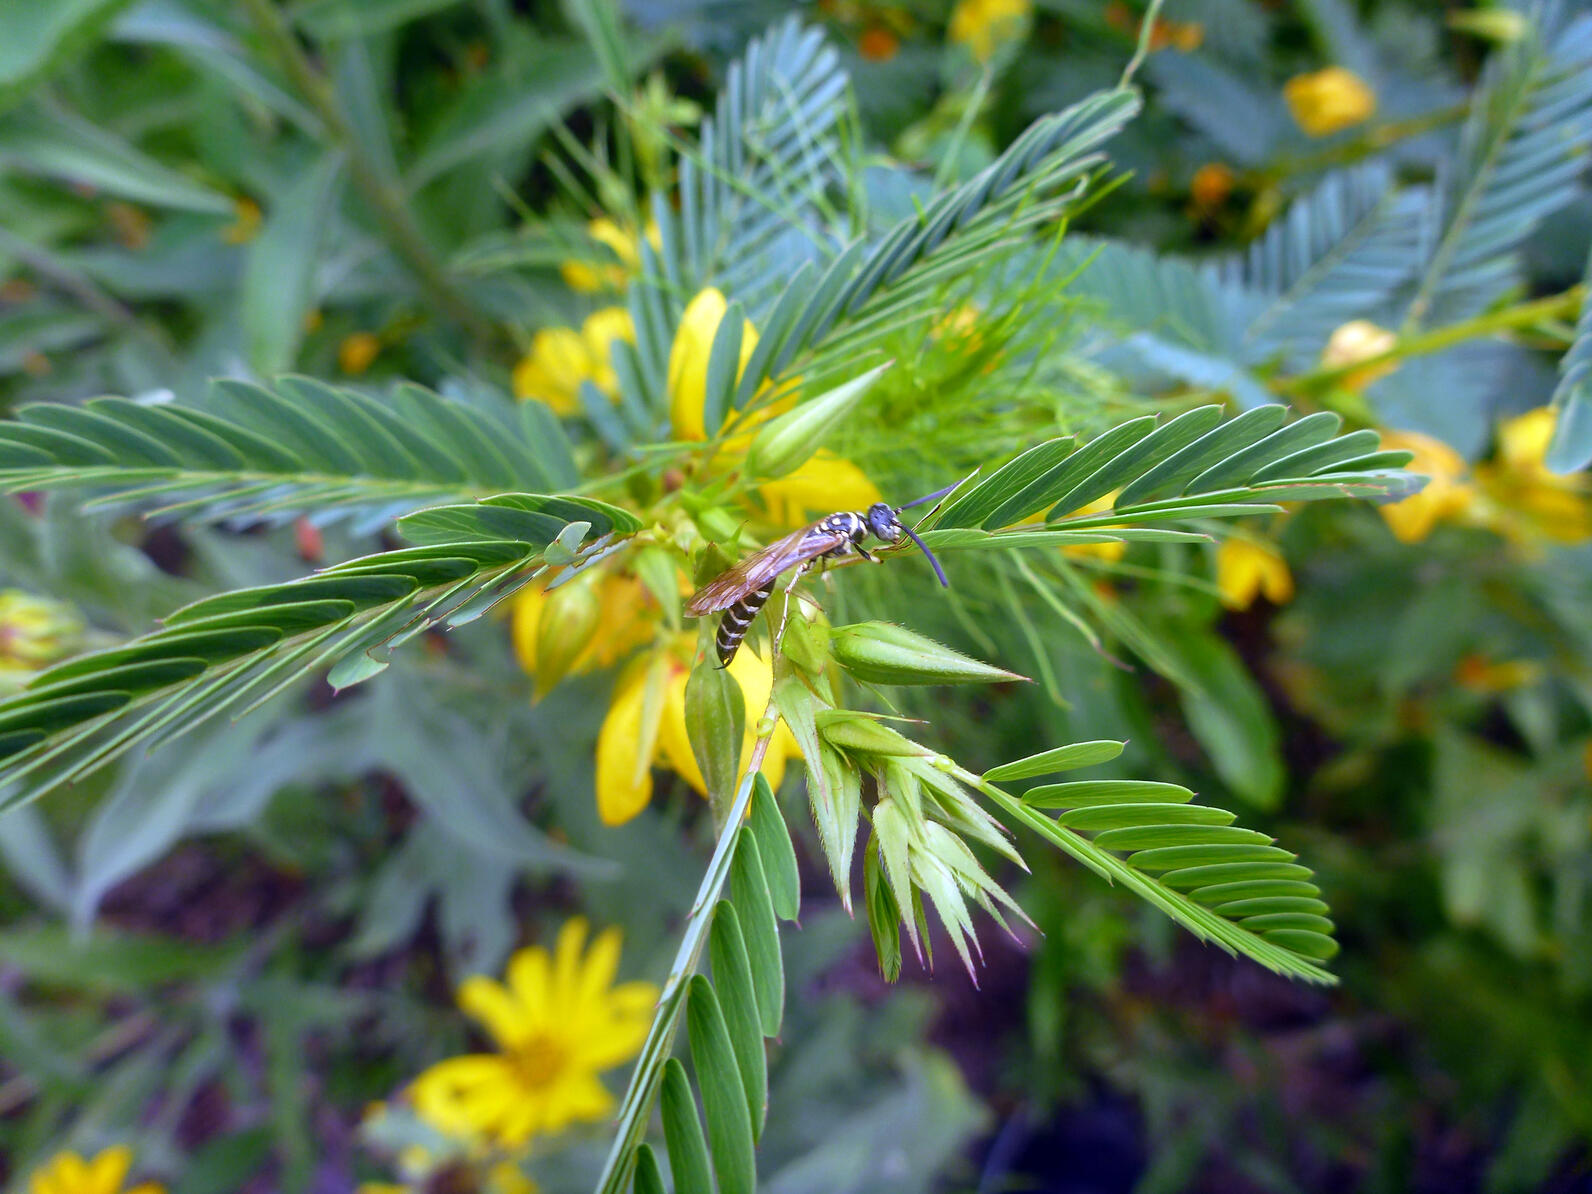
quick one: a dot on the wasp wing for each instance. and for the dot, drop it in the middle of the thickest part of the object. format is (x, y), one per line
(762, 567)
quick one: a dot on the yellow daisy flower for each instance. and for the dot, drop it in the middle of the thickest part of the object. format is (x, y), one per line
(1328, 101)
(1246, 570)
(69, 1173)
(558, 1022)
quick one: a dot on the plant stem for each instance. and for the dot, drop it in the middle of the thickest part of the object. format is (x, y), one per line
(1524, 315)
(386, 201)
(636, 1109)
(1373, 142)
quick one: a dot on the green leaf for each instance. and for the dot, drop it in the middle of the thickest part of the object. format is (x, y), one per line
(1059, 758)
(732, 978)
(334, 19)
(884, 915)
(649, 1179)
(775, 850)
(977, 505)
(41, 37)
(42, 139)
(749, 892)
(724, 1102)
(1571, 448)
(682, 1131)
(1230, 717)
(277, 290)
(1085, 793)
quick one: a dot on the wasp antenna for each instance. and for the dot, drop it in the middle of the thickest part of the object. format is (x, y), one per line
(938, 496)
(924, 548)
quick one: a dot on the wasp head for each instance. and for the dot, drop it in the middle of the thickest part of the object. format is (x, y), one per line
(882, 522)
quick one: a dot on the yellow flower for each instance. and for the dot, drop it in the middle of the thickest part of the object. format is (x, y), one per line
(1445, 496)
(506, 1177)
(1246, 570)
(34, 632)
(357, 352)
(1109, 552)
(824, 483)
(1356, 341)
(688, 361)
(246, 222)
(983, 26)
(1327, 101)
(561, 358)
(624, 757)
(587, 277)
(558, 1022)
(1528, 495)
(69, 1173)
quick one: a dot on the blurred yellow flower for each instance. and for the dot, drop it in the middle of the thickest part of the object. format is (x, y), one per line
(558, 1022)
(246, 221)
(1526, 494)
(1246, 569)
(1445, 496)
(590, 623)
(1356, 341)
(639, 733)
(69, 1173)
(561, 358)
(1109, 552)
(823, 484)
(688, 361)
(1327, 101)
(1211, 185)
(357, 352)
(983, 26)
(588, 277)
(34, 633)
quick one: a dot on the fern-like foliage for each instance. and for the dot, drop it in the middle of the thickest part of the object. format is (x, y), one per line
(1193, 467)
(752, 191)
(727, 1019)
(1522, 154)
(1572, 434)
(230, 652)
(1225, 884)
(1338, 253)
(299, 446)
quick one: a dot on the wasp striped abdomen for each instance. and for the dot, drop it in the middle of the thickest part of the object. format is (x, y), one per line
(737, 620)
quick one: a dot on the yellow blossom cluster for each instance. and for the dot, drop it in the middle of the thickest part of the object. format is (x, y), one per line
(1328, 101)
(71, 1173)
(561, 358)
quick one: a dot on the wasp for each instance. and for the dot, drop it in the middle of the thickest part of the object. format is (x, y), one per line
(744, 589)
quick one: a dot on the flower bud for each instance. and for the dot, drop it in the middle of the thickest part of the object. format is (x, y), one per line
(783, 443)
(1327, 101)
(860, 734)
(883, 653)
(567, 622)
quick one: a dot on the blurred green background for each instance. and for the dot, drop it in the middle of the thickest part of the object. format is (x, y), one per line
(232, 957)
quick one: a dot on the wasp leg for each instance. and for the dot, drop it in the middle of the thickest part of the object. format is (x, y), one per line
(867, 555)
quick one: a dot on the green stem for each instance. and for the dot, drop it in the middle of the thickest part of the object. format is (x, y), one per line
(1564, 305)
(386, 201)
(1373, 142)
(636, 1109)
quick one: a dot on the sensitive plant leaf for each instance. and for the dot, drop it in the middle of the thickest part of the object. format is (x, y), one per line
(724, 1101)
(775, 848)
(1571, 449)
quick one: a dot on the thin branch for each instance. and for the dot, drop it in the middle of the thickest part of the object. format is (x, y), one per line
(386, 201)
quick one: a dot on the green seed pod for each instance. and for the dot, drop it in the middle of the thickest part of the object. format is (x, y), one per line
(883, 653)
(787, 442)
(859, 734)
(806, 643)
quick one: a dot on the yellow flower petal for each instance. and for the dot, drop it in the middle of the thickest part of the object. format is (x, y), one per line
(530, 977)
(491, 1004)
(688, 361)
(1445, 496)
(624, 787)
(1327, 101)
(823, 483)
(586, 276)
(598, 332)
(553, 370)
(1246, 570)
(107, 1171)
(985, 25)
